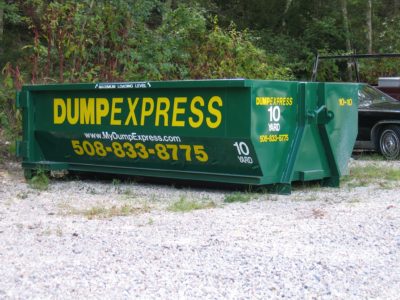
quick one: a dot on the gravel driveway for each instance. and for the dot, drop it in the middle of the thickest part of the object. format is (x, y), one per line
(123, 240)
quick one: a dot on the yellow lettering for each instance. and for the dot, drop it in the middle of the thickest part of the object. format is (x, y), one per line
(197, 112)
(178, 111)
(102, 109)
(132, 107)
(146, 112)
(87, 112)
(115, 111)
(72, 119)
(60, 111)
(215, 112)
(162, 111)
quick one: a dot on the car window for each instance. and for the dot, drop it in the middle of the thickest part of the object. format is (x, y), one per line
(370, 96)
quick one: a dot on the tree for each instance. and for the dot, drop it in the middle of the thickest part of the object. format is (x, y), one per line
(346, 24)
(287, 6)
(1, 26)
(369, 25)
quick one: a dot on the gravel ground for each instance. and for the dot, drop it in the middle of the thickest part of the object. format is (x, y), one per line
(70, 242)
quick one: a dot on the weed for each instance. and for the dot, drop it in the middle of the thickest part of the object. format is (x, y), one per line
(59, 231)
(102, 212)
(367, 156)
(150, 221)
(40, 181)
(354, 200)
(385, 185)
(95, 211)
(116, 182)
(311, 197)
(46, 232)
(363, 176)
(91, 191)
(309, 185)
(153, 198)
(238, 197)
(129, 195)
(127, 192)
(373, 172)
(358, 183)
(184, 205)
(22, 195)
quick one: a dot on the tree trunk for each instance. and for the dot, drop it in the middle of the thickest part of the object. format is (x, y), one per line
(287, 6)
(347, 34)
(396, 7)
(346, 24)
(369, 25)
(1, 26)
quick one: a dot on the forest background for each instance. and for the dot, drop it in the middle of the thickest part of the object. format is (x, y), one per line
(43, 41)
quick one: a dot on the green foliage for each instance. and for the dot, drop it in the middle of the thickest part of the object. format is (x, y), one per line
(238, 197)
(232, 54)
(386, 177)
(11, 14)
(10, 117)
(102, 212)
(128, 40)
(89, 41)
(40, 181)
(184, 205)
(372, 69)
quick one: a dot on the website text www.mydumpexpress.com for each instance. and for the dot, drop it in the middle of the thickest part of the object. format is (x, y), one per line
(133, 136)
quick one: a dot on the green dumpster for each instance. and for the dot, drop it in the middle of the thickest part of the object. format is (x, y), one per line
(235, 131)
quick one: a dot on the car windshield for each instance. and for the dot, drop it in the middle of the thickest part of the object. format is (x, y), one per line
(370, 96)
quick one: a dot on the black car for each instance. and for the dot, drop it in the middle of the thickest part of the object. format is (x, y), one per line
(378, 122)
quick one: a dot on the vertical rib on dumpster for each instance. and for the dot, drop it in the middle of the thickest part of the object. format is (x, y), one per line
(323, 119)
(287, 175)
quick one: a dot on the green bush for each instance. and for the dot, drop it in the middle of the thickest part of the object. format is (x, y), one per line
(94, 41)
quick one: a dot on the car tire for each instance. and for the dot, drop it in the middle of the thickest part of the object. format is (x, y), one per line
(389, 142)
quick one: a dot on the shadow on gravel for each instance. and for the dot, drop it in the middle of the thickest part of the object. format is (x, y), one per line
(182, 184)
(176, 183)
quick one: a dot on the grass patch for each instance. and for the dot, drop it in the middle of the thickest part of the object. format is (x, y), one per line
(365, 175)
(40, 181)
(238, 197)
(373, 172)
(116, 182)
(22, 195)
(386, 185)
(184, 205)
(354, 200)
(48, 231)
(368, 156)
(311, 197)
(358, 183)
(101, 212)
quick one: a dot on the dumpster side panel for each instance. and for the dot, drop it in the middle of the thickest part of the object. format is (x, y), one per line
(330, 133)
(275, 119)
(165, 128)
(342, 101)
